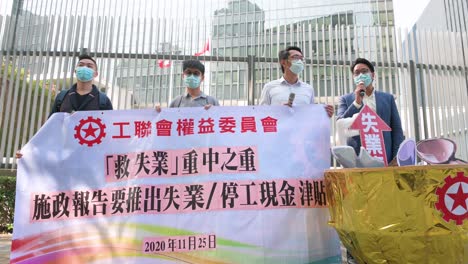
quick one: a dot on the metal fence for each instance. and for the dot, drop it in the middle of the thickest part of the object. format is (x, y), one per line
(425, 70)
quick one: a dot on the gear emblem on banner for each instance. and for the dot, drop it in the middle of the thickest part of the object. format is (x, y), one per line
(452, 198)
(90, 131)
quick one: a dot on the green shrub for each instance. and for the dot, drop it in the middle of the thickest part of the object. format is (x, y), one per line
(18, 81)
(7, 203)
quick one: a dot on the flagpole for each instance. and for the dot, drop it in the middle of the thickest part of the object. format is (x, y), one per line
(171, 78)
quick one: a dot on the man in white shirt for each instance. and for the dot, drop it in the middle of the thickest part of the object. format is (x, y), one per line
(277, 92)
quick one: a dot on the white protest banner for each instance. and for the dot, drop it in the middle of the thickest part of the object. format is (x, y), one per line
(224, 185)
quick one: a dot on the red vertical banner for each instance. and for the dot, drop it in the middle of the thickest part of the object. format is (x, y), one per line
(371, 128)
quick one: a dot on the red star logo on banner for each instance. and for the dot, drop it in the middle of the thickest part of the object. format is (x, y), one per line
(459, 198)
(90, 131)
(451, 196)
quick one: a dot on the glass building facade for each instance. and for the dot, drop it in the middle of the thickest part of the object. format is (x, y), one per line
(240, 31)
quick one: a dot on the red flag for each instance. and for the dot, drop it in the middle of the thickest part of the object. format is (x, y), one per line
(164, 63)
(205, 48)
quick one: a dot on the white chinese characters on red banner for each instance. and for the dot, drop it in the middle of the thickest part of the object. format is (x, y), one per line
(371, 128)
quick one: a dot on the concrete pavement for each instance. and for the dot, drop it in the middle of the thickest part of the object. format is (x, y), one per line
(5, 245)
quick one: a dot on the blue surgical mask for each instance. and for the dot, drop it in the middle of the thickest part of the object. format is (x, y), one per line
(192, 81)
(84, 74)
(297, 66)
(363, 77)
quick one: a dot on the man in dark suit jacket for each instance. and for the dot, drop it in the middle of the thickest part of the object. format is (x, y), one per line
(382, 103)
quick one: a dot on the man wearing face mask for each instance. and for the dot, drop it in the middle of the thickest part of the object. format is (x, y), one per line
(289, 90)
(83, 95)
(382, 103)
(193, 74)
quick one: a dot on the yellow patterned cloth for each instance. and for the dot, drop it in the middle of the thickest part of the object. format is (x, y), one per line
(414, 214)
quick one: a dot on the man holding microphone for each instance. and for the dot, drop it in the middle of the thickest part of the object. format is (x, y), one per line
(289, 89)
(382, 103)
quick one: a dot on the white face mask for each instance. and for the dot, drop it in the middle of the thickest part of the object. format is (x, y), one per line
(297, 66)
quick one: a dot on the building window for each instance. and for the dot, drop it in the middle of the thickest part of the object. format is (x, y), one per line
(243, 29)
(243, 51)
(228, 52)
(250, 28)
(251, 50)
(228, 30)
(235, 7)
(220, 30)
(235, 52)
(236, 30)
(243, 7)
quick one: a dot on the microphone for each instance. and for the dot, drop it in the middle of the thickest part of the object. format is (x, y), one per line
(291, 98)
(362, 92)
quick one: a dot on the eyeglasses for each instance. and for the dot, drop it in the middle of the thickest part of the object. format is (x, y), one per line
(297, 57)
(189, 72)
(362, 71)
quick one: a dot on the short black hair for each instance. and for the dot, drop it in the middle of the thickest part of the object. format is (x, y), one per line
(86, 56)
(193, 64)
(363, 61)
(284, 54)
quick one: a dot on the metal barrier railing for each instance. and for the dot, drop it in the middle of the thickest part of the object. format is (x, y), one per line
(425, 69)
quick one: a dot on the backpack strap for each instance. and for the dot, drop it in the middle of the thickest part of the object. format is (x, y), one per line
(102, 101)
(59, 99)
(180, 100)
